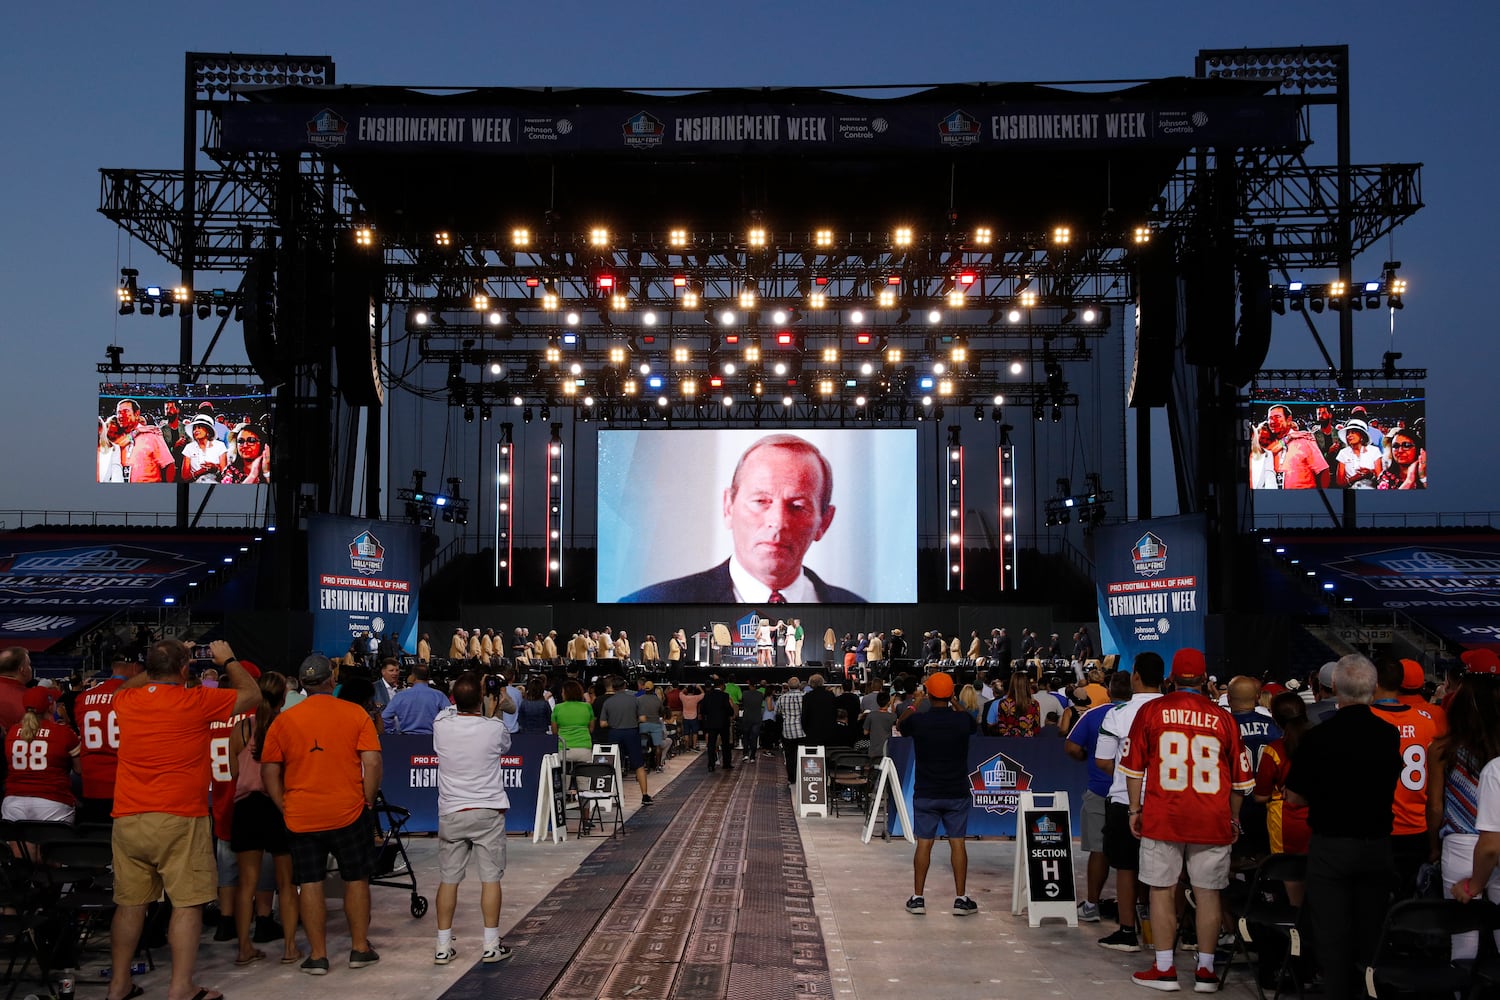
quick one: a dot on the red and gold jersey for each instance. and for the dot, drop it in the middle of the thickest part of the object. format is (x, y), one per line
(38, 767)
(99, 732)
(221, 778)
(1187, 752)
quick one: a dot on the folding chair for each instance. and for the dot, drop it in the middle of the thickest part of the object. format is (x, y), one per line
(24, 895)
(850, 771)
(1266, 914)
(596, 786)
(1414, 952)
(82, 879)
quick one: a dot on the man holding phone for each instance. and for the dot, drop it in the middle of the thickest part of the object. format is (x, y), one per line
(940, 741)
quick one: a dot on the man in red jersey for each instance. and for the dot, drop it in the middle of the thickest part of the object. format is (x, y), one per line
(1186, 775)
(1418, 727)
(162, 839)
(94, 711)
(221, 809)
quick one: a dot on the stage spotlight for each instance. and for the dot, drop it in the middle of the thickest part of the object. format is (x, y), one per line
(1294, 295)
(526, 414)
(115, 351)
(204, 310)
(485, 412)
(148, 307)
(1056, 413)
(1038, 411)
(978, 411)
(1015, 368)
(1315, 302)
(546, 413)
(1014, 316)
(468, 414)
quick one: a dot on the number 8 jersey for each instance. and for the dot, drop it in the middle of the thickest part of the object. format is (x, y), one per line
(1187, 752)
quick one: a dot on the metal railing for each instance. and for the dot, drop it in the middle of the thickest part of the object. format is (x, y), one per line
(11, 520)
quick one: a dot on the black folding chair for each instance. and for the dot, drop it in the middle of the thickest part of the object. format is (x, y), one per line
(1266, 916)
(1414, 956)
(82, 879)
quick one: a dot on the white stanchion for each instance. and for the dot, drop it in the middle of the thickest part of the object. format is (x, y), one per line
(812, 782)
(1042, 883)
(889, 781)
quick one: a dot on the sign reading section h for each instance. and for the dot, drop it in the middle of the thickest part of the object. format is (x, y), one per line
(1043, 881)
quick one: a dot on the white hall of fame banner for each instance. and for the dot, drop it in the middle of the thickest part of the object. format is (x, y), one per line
(1151, 581)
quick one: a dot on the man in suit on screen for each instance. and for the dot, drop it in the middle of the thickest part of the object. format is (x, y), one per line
(778, 503)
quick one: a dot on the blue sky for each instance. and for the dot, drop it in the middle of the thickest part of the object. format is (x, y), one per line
(96, 84)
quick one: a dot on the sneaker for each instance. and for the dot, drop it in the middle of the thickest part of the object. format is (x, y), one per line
(1205, 981)
(1157, 979)
(916, 905)
(499, 953)
(315, 966)
(963, 906)
(1088, 913)
(360, 959)
(444, 955)
(1123, 939)
(225, 930)
(645, 800)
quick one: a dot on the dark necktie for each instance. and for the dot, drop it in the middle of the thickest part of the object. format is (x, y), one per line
(777, 597)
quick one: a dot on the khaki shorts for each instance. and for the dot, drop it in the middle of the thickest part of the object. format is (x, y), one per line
(479, 833)
(1162, 861)
(159, 851)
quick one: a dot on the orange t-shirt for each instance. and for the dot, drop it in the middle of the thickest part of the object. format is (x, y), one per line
(1418, 729)
(164, 764)
(1438, 713)
(318, 742)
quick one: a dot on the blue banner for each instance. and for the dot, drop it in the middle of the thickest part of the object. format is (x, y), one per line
(1152, 582)
(999, 771)
(658, 125)
(363, 578)
(410, 771)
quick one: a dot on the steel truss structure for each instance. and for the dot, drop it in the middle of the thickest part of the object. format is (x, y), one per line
(501, 297)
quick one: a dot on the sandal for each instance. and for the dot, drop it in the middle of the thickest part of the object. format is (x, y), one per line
(255, 956)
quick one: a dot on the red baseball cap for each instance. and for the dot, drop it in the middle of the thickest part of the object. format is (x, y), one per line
(251, 669)
(1481, 661)
(37, 699)
(1188, 664)
(1272, 688)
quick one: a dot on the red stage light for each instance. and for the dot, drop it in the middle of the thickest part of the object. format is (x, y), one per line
(731, 338)
(820, 281)
(678, 281)
(894, 279)
(968, 278)
(862, 338)
(648, 339)
(784, 339)
(606, 281)
(533, 282)
(715, 382)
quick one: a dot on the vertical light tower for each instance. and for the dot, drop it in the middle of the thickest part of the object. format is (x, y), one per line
(554, 545)
(955, 510)
(505, 496)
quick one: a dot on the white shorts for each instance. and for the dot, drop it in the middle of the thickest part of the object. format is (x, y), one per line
(29, 809)
(1162, 862)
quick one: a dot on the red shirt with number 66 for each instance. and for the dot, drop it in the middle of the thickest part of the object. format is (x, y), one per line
(1187, 752)
(99, 732)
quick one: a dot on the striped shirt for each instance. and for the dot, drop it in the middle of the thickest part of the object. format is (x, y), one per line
(789, 711)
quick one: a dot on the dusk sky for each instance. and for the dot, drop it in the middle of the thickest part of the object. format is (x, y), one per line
(96, 84)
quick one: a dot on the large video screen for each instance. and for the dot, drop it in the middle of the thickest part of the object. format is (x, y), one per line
(170, 432)
(1301, 440)
(757, 517)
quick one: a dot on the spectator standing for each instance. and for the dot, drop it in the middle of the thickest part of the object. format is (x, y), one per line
(1416, 727)
(471, 813)
(649, 709)
(99, 734)
(819, 714)
(412, 709)
(1082, 744)
(162, 838)
(878, 725)
(1345, 771)
(940, 743)
(623, 724)
(389, 682)
(691, 697)
(752, 715)
(1121, 844)
(715, 713)
(1186, 776)
(321, 766)
(789, 711)
(534, 714)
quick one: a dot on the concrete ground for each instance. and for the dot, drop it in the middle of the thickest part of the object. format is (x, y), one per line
(875, 949)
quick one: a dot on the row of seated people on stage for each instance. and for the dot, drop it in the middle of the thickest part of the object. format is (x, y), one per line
(486, 648)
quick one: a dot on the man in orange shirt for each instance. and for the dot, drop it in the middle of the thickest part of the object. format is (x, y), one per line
(1413, 681)
(1410, 846)
(162, 839)
(321, 766)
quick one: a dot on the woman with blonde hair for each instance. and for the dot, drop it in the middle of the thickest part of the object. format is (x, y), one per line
(39, 754)
(968, 700)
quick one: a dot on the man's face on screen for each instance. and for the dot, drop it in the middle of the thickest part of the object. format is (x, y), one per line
(775, 512)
